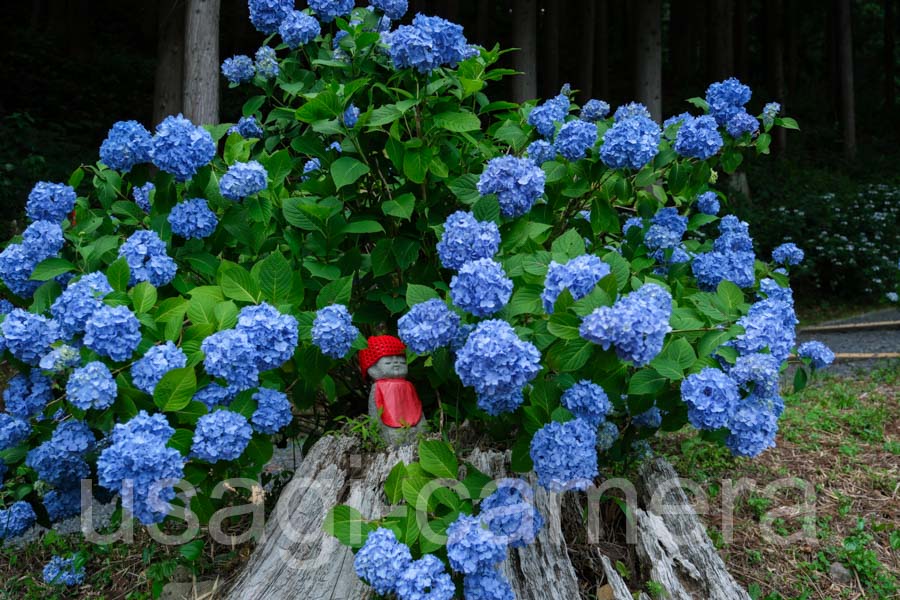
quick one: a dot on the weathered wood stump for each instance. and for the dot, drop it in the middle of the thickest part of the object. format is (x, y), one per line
(296, 558)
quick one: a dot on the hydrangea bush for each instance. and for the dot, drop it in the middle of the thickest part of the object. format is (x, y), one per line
(559, 272)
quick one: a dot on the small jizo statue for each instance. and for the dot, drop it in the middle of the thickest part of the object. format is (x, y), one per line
(392, 400)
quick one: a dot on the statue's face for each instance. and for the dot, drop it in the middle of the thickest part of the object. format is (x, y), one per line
(389, 367)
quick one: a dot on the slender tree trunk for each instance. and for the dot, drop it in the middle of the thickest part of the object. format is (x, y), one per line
(742, 39)
(601, 49)
(890, 65)
(649, 56)
(723, 39)
(201, 62)
(775, 10)
(845, 60)
(525, 38)
(585, 71)
(168, 86)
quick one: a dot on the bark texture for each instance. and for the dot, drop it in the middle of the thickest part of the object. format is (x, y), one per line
(648, 21)
(201, 62)
(168, 87)
(525, 59)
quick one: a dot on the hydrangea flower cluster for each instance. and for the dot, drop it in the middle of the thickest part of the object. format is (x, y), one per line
(575, 139)
(247, 127)
(147, 371)
(267, 15)
(631, 143)
(607, 434)
(299, 28)
(726, 99)
(329, 10)
(147, 259)
(140, 467)
(510, 513)
(60, 460)
(221, 435)
(768, 325)
(540, 151)
(141, 194)
(40, 240)
(753, 430)
(266, 63)
(820, 354)
(382, 560)
(214, 395)
(428, 326)
(78, 302)
(62, 571)
(711, 397)
(426, 579)
(770, 111)
(62, 504)
(731, 259)
(649, 419)
(545, 117)
(27, 396)
(594, 110)
(127, 144)
(631, 110)
(114, 332)
(91, 386)
(496, 363)
(675, 120)
(273, 411)
(517, 182)
(666, 230)
(13, 431)
(16, 520)
(487, 585)
(238, 69)
(698, 138)
(28, 336)
(313, 165)
(708, 203)
(788, 254)
(466, 239)
(472, 547)
(756, 373)
(181, 148)
(192, 219)
(242, 180)
(635, 325)
(427, 44)
(565, 455)
(50, 202)
(579, 275)
(392, 9)
(481, 287)
(741, 123)
(587, 401)
(333, 331)
(351, 116)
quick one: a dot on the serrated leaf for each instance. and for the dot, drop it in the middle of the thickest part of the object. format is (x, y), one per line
(393, 486)
(647, 381)
(50, 268)
(276, 279)
(360, 227)
(346, 171)
(347, 525)
(458, 121)
(416, 294)
(336, 292)
(175, 390)
(401, 207)
(118, 274)
(143, 297)
(238, 284)
(438, 458)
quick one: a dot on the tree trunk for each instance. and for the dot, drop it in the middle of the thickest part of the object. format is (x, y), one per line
(723, 39)
(890, 65)
(201, 62)
(585, 73)
(775, 9)
(525, 59)
(601, 48)
(845, 62)
(168, 85)
(648, 69)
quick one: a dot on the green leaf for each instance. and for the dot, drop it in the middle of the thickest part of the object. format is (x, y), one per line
(226, 315)
(347, 525)
(564, 325)
(181, 440)
(475, 482)
(487, 209)
(402, 207)
(143, 297)
(520, 461)
(568, 245)
(192, 550)
(731, 296)
(118, 275)
(438, 458)
(731, 160)
(238, 284)
(175, 390)
(416, 294)
(276, 279)
(711, 341)
(346, 171)
(572, 355)
(359, 227)
(458, 121)
(787, 123)
(465, 188)
(646, 382)
(800, 379)
(336, 292)
(393, 486)
(50, 268)
(415, 164)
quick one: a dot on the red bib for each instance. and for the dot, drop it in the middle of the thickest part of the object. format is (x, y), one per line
(399, 402)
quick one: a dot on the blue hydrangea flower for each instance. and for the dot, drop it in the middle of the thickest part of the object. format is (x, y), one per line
(587, 401)
(16, 266)
(753, 430)
(141, 194)
(62, 571)
(411, 47)
(114, 332)
(676, 120)
(215, 395)
(498, 403)
(769, 324)
(62, 357)
(635, 325)
(140, 467)
(27, 396)
(649, 419)
(428, 326)
(447, 39)
(267, 63)
(299, 28)
(756, 373)
(221, 435)
(495, 361)
(632, 223)
(727, 98)
(711, 268)
(28, 336)
(243, 179)
(57, 466)
(392, 9)
(273, 334)
(698, 138)
(820, 354)
(631, 143)
(382, 560)
(333, 331)
(13, 431)
(62, 504)
(180, 147)
(426, 579)
(351, 116)
(329, 10)
(73, 436)
(78, 302)
(666, 229)
(579, 275)
(565, 455)
(607, 434)
(127, 144)
(472, 547)
(247, 127)
(50, 202)
(488, 585)
(510, 513)
(708, 203)
(231, 355)
(192, 219)
(481, 287)
(788, 254)
(16, 520)
(91, 386)
(273, 411)
(147, 371)
(575, 139)
(313, 165)
(517, 182)
(541, 151)
(740, 123)
(466, 239)
(630, 111)
(770, 111)
(41, 240)
(267, 15)
(711, 397)
(6, 306)
(594, 110)
(238, 69)
(545, 117)
(146, 256)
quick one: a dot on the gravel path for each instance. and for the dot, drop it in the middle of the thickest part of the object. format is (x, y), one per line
(881, 340)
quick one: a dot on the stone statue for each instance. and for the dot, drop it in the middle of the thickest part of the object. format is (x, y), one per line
(393, 400)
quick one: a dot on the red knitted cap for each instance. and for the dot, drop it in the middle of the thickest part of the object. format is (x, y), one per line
(379, 347)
